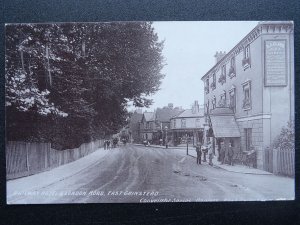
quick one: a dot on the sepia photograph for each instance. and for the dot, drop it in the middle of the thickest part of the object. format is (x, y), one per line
(149, 112)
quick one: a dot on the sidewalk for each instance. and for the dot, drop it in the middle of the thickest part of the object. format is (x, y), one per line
(235, 169)
(46, 178)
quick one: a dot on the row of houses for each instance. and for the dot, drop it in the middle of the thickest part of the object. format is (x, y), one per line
(171, 125)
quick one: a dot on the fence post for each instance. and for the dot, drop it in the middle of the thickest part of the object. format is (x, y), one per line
(274, 161)
(27, 157)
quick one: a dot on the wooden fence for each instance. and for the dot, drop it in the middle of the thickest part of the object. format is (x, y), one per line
(24, 158)
(280, 161)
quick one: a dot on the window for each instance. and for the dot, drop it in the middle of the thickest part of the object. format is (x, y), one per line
(248, 138)
(247, 95)
(246, 61)
(224, 69)
(198, 123)
(207, 107)
(206, 88)
(222, 78)
(183, 123)
(174, 123)
(214, 101)
(213, 84)
(222, 101)
(232, 99)
(231, 72)
(247, 52)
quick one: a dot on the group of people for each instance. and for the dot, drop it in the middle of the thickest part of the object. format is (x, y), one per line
(107, 144)
(205, 150)
(226, 153)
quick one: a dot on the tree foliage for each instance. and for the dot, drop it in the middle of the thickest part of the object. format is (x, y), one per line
(69, 83)
(286, 138)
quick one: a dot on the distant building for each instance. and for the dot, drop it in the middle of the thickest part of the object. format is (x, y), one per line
(154, 124)
(134, 126)
(188, 124)
(249, 93)
(147, 126)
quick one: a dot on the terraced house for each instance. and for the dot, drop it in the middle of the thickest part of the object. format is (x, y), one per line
(156, 125)
(249, 92)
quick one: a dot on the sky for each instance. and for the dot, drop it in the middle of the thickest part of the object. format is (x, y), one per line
(189, 51)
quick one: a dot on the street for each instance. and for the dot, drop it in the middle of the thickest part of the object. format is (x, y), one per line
(134, 173)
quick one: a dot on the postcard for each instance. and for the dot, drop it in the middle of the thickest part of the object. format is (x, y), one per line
(147, 112)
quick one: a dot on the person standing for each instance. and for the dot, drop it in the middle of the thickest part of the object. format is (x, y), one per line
(230, 154)
(105, 144)
(222, 152)
(210, 154)
(198, 151)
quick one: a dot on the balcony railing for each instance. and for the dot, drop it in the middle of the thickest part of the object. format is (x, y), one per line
(231, 72)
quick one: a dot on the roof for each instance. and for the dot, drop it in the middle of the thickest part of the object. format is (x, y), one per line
(188, 113)
(136, 117)
(166, 113)
(149, 116)
(224, 126)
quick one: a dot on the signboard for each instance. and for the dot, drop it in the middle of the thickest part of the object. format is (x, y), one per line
(275, 63)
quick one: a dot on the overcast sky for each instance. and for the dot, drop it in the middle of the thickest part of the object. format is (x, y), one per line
(189, 53)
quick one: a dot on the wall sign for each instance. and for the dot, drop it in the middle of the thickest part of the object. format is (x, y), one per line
(275, 63)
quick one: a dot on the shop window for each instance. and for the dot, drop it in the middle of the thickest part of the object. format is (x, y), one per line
(248, 138)
(247, 95)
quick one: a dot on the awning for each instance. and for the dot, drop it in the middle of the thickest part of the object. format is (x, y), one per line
(225, 126)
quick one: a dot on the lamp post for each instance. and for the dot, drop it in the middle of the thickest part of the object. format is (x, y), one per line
(166, 140)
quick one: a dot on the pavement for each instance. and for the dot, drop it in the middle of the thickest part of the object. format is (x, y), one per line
(44, 179)
(235, 169)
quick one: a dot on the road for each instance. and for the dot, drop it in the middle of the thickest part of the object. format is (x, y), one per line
(144, 174)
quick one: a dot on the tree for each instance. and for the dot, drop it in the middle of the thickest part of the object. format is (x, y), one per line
(80, 78)
(286, 139)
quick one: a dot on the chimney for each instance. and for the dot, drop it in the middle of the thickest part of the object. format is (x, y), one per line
(170, 105)
(219, 56)
(195, 107)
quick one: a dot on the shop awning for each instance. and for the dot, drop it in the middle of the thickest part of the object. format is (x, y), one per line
(224, 126)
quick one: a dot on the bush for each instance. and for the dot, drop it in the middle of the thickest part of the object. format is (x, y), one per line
(286, 139)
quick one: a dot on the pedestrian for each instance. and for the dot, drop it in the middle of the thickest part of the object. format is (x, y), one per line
(230, 154)
(204, 150)
(199, 153)
(222, 152)
(104, 144)
(210, 154)
(108, 144)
